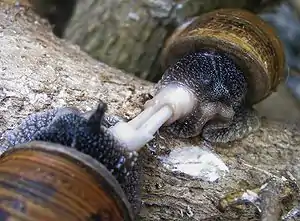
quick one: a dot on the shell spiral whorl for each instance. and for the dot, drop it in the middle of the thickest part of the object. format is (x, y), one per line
(47, 181)
(72, 129)
(244, 37)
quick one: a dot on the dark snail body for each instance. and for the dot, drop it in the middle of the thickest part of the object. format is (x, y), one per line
(217, 66)
(218, 83)
(210, 74)
(68, 127)
(220, 88)
(29, 127)
(230, 60)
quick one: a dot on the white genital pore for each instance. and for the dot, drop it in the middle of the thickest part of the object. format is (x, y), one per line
(168, 105)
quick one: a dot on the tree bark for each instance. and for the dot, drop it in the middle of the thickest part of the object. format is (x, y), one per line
(40, 71)
(129, 34)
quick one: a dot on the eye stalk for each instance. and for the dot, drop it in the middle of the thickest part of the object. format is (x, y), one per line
(85, 135)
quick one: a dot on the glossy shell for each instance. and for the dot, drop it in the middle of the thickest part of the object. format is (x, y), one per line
(245, 37)
(44, 181)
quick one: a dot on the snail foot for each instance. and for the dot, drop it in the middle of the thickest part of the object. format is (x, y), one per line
(82, 131)
(244, 122)
(31, 125)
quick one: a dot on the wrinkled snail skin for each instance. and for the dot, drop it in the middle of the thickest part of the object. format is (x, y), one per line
(220, 88)
(68, 127)
(229, 59)
(216, 67)
(32, 125)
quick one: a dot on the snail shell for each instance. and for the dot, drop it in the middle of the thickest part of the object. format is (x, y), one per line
(46, 181)
(244, 37)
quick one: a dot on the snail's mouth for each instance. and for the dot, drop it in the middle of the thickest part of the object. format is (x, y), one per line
(171, 103)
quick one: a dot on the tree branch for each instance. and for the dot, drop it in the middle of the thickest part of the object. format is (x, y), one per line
(40, 71)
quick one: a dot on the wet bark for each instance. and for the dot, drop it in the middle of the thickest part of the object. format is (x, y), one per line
(40, 71)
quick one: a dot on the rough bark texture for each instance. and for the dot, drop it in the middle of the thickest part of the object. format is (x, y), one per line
(39, 71)
(129, 34)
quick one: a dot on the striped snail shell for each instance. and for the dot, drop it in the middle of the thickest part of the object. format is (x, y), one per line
(47, 181)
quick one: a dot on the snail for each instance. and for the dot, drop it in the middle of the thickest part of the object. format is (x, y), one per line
(83, 138)
(217, 66)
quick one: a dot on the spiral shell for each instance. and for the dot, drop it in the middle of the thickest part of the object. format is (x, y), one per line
(244, 37)
(46, 181)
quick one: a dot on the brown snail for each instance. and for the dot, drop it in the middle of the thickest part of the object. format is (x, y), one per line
(217, 66)
(62, 164)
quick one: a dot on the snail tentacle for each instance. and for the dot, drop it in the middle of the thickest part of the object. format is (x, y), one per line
(244, 122)
(69, 127)
(108, 120)
(215, 64)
